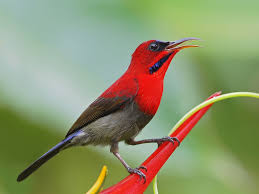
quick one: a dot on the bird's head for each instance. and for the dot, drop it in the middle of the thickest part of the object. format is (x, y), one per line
(153, 57)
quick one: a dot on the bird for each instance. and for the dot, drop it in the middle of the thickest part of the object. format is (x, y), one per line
(125, 108)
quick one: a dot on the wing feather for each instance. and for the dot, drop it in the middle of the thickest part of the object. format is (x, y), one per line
(123, 91)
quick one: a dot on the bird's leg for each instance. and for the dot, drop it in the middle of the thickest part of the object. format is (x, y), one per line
(159, 141)
(115, 150)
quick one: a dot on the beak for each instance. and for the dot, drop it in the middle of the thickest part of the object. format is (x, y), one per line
(174, 44)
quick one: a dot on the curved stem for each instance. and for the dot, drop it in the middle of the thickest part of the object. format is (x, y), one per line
(199, 107)
(213, 100)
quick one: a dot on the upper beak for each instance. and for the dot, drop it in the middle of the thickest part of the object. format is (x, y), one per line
(174, 44)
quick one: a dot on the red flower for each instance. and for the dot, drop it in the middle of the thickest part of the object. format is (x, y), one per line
(132, 184)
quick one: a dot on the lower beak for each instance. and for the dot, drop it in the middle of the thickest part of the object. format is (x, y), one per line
(174, 44)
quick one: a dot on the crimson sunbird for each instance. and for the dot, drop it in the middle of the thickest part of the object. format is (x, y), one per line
(125, 108)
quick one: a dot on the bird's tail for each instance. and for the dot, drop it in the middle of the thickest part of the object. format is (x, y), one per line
(48, 155)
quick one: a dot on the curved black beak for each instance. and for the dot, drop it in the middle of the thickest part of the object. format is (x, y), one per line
(174, 44)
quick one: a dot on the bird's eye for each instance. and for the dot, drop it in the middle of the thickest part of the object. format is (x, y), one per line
(154, 46)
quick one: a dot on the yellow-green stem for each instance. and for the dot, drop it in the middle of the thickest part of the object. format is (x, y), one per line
(155, 189)
(199, 107)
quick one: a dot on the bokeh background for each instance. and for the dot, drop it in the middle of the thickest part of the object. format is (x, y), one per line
(57, 56)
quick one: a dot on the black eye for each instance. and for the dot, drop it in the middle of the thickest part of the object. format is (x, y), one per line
(154, 46)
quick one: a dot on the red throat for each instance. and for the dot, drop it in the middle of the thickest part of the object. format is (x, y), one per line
(149, 94)
(150, 86)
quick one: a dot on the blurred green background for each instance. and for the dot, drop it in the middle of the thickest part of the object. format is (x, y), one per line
(56, 57)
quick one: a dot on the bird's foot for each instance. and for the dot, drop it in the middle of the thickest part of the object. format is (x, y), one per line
(167, 138)
(138, 172)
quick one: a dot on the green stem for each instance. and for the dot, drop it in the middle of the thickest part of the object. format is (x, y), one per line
(213, 100)
(155, 189)
(199, 107)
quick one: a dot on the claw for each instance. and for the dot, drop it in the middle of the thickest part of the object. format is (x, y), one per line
(138, 172)
(142, 167)
(171, 139)
(176, 139)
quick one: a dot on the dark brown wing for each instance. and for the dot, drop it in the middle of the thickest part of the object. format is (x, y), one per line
(110, 101)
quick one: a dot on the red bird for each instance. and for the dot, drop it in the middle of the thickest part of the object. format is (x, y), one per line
(125, 108)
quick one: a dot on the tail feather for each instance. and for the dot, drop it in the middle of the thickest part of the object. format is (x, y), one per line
(44, 158)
